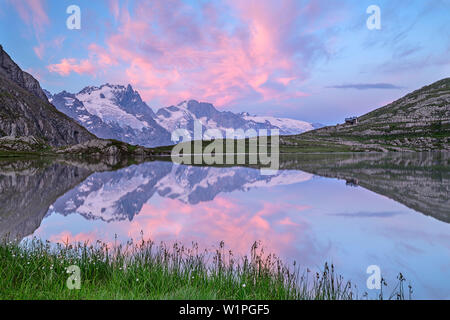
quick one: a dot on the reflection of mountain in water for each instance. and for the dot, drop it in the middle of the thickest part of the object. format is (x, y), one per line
(120, 195)
(28, 188)
(420, 181)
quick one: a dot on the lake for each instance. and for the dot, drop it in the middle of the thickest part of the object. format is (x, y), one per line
(353, 210)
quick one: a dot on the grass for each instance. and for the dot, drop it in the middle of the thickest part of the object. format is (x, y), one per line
(38, 270)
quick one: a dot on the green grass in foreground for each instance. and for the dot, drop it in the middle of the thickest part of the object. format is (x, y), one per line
(38, 270)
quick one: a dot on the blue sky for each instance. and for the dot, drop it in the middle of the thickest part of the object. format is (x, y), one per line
(309, 60)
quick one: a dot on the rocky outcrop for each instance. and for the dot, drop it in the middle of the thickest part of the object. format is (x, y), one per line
(21, 144)
(100, 147)
(25, 110)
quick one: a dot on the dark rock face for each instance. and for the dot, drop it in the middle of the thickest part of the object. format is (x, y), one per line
(12, 71)
(25, 110)
(131, 101)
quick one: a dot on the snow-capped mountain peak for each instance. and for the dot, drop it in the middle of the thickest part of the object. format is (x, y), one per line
(113, 112)
(184, 114)
(117, 112)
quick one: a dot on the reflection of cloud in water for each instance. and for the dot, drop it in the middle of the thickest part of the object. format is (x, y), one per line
(238, 224)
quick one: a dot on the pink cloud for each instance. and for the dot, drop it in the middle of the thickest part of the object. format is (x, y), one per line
(32, 12)
(101, 55)
(170, 51)
(67, 66)
(40, 49)
(114, 7)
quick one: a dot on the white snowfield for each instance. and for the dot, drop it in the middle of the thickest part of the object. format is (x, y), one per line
(290, 126)
(102, 103)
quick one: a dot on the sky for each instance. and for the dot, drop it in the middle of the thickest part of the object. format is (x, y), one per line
(310, 60)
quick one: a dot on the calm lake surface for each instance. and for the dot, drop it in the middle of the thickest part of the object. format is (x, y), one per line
(354, 210)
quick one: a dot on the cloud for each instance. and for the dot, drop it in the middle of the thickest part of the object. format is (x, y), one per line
(223, 52)
(114, 7)
(367, 86)
(67, 66)
(40, 49)
(32, 12)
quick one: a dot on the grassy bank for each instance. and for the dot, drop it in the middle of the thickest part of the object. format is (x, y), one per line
(38, 270)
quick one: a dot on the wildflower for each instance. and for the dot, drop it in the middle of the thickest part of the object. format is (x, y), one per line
(243, 286)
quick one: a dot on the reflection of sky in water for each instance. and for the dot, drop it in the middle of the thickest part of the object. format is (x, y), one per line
(311, 221)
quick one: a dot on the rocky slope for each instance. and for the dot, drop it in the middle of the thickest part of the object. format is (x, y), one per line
(25, 110)
(420, 121)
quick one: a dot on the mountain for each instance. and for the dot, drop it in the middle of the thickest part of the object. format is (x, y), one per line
(420, 121)
(184, 114)
(26, 112)
(113, 112)
(285, 125)
(118, 112)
